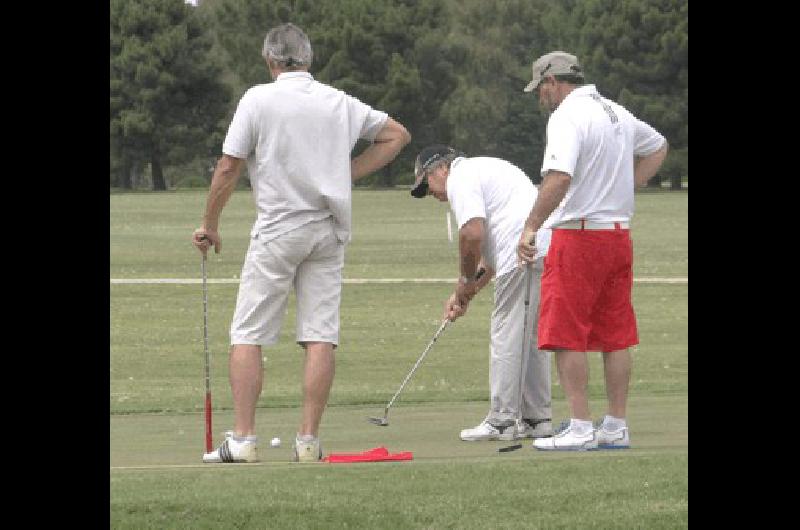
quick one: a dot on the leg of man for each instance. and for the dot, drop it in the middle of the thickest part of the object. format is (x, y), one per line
(536, 404)
(246, 378)
(573, 372)
(319, 371)
(617, 368)
(318, 285)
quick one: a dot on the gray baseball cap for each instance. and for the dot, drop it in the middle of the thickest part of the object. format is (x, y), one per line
(553, 63)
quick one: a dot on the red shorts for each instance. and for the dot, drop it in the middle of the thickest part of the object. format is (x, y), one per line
(586, 292)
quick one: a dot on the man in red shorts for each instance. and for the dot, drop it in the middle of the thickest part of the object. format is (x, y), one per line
(596, 153)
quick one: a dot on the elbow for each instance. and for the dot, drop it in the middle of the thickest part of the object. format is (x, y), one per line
(405, 136)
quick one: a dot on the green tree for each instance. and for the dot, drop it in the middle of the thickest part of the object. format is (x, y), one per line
(637, 52)
(387, 53)
(488, 112)
(167, 102)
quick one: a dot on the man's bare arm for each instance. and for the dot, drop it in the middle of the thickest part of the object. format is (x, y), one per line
(551, 192)
(226, 175)
(553, 189)
(470, 238)
(645, 167)
(388, 142)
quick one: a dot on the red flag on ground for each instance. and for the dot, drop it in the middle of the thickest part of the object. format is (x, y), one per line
(378, 454)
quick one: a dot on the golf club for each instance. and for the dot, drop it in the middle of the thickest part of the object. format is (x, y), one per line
(524, 358)
(209, 440)
(384, 421)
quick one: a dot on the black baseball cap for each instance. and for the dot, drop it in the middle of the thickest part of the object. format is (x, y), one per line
(425, 159)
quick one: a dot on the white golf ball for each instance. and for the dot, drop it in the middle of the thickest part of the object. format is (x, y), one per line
(275, 442)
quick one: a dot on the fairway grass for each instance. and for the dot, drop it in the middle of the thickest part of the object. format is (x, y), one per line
(157, 479)
(156, 385)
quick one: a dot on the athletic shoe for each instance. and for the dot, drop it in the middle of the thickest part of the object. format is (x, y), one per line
(307, 450)
(487, 431)
(529, 428)
(565, 439)
(612, 439)
(231, 451)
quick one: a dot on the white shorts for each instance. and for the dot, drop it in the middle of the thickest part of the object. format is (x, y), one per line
(309, 258)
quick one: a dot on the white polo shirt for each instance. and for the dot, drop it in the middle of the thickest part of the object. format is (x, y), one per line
(297, 135)
(502, 195)
(594, 140)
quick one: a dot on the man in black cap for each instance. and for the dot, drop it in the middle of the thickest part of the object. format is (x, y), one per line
(490, 199)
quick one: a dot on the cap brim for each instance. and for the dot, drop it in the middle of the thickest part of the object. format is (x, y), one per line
(531, 86)
(420, 190)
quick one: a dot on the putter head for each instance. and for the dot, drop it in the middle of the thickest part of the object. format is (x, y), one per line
(383, 422)
(509, 448)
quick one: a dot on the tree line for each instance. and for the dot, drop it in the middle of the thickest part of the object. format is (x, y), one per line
(452, 71)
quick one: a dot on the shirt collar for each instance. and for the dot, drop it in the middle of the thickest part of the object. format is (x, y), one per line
(585, 90)
(293, 75)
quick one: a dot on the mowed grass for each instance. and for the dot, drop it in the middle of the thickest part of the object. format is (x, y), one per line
(156, 387)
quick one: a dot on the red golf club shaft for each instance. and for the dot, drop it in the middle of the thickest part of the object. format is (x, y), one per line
(209, 444)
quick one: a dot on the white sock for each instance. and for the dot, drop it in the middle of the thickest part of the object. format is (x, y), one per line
(580, 427)
(249, 438)
(306, 437)
(614, 424)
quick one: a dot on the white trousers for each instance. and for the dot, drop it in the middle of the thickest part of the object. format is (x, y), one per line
(507, 360)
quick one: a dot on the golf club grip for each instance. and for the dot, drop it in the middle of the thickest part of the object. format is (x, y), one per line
(209, 438)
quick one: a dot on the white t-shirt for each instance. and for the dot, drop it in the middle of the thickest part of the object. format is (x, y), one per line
(594, 140)
(297, 135)
(502, 195)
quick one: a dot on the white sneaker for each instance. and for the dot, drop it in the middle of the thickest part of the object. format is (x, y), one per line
(231, 451)
(528, 428)
(307, 450)
(487, 431)
(566, 440)
(612, 439)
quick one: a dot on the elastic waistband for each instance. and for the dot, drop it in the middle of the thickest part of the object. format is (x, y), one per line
(583, 224)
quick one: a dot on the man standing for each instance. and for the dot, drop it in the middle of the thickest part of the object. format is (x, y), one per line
(296, 135)
(490, 198)
(596, 152)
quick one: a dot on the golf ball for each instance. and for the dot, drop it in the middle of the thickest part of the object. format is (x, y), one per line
(275, 442)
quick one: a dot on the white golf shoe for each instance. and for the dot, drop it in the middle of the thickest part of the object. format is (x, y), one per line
(487, 431)
(608, 438)
(231, 451)
(529, 428)
(567, 440)
(307, 449)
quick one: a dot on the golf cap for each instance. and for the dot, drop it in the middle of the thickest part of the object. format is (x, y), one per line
(553, 63)
(425, 159)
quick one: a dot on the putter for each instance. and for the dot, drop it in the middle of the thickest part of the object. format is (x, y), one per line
(209, 436)
(384, 421)
(524, 358)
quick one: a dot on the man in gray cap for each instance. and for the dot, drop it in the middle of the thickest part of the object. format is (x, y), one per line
(490, 198)
(596, 153)
(296, 136)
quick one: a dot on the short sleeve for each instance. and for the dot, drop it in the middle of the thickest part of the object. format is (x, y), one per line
(241, 138)
(563, 146)
(365, 122)
(465, 196)
(646, 139)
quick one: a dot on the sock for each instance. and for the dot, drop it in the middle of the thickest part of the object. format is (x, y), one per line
(306, 437)
(613, 424)
(249, 438)
(581, 427)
